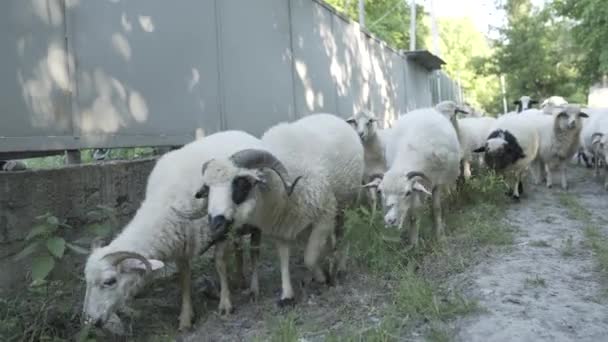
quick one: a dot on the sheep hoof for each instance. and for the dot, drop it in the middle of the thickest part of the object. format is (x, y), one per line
(515, 198)
(549, 186)
(183, 328)
(286, 302)
(226, 310)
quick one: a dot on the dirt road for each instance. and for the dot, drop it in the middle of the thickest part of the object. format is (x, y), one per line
(546, 288)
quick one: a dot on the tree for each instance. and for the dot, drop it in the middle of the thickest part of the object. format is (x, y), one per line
(389, 20)
(536, 53)
(461, 45)
(590, 31)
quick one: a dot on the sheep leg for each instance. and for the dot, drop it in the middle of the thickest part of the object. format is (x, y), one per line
(596, 170)
(537, 171)
(319, 235)
(564, 176)
(185, 276)
(374, 200)
(254, 287)
(436, 213)
(517, 186)
(239, 258)
(287, 297)
(412, 229)
(549, 176)
(467, 169)
(225, 306)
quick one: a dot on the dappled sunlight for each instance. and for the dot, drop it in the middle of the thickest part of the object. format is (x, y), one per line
(121, 46)
(44, 88)
(114, 105)
(146, 23)
(49, 11)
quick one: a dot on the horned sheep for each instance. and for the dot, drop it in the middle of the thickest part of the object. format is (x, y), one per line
(510, 148)
(426, 163)
(594, 138)
(168, 226)
(319, 153)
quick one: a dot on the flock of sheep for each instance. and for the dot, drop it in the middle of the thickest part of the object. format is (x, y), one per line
(295, 181)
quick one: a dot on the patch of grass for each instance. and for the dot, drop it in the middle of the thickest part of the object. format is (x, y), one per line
(536, 282)
(575, 210)
(284, 329)
(599, 245)
(438, 333)
(568, 247)
(539, 243)
(474, 220)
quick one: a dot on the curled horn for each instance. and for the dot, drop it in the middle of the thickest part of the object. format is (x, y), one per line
(117, 257)
(205, 164)
(413, 174)
(256, 159)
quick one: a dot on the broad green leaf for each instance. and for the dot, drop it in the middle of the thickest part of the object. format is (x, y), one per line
(39, 230)
(31, 248)
(42, 266)
(77, 248)
(102, 230)
(56, 246)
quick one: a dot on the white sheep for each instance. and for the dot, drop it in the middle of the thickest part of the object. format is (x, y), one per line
(319, 153)
(553, 101)
(524, 102)
(474, 132)
(426, 162)
(365, 124)
(594, 138)
(510, 148)
(559, 136)
(168, 226)
(12, 165)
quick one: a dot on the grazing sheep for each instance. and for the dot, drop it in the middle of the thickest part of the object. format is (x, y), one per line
(365, 124)
(168, 226)
(474, 132)
(319, 153)
(510, 148)
(524, 102)
(559, 136)
(426, 163)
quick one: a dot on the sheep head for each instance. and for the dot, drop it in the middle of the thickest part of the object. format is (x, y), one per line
(524, 102)
(568, 117)
(599, 142)
(112, 277)
(400, 194)
(230, 185)
(449, 109)
(501, 150)
(365, 123)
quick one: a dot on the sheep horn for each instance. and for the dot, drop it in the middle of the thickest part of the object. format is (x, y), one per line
(413, 174)
(256, 159)
(205, 164)
(116, 257)
(189, 215)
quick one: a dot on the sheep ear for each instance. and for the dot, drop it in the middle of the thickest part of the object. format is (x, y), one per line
(419, 187)
(596, 138)
(516, 102)
(533, 102)
(130, 265)
(583, 115)
(351, 120)
(480, 150)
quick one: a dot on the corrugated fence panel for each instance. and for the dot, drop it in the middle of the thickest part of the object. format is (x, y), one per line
(150, 73)
(256, 64)
(35, 110)
(147, 72)
(314, 48)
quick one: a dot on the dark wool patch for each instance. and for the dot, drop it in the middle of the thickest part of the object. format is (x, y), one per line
(506, 156)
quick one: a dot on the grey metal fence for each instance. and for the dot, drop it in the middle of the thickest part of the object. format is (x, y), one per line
(110, 73)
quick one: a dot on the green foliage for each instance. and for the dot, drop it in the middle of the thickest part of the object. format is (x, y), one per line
(590, 32)
(387, 19)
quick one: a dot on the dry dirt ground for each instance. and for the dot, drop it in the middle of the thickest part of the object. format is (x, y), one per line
(547, 287)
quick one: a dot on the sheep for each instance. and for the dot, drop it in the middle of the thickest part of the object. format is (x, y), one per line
(365, 124)
(450, 110)
(510, 148)
(559, 136)
(524, 102)
(12, 165)
(319, 153)
(166, 227)
(426, 163)
(594, 138)
(553, 101)
(474, 132)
